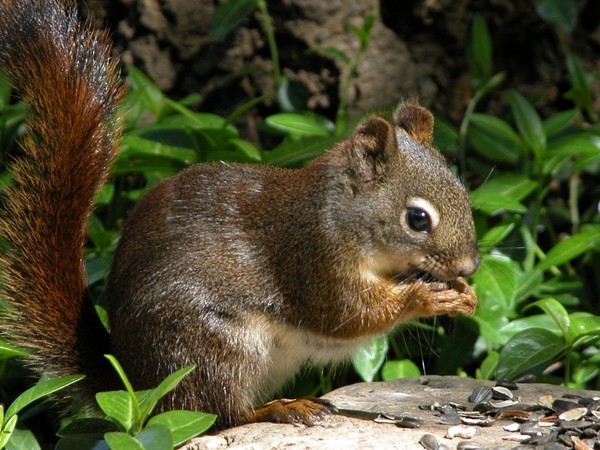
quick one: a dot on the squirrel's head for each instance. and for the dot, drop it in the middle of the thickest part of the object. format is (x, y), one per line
(403, 202)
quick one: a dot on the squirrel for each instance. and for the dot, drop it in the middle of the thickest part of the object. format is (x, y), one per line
(248, 271)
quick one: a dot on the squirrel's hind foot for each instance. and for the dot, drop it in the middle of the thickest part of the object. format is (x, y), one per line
(305, 410)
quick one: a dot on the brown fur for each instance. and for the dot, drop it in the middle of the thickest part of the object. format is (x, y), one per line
(248, 271)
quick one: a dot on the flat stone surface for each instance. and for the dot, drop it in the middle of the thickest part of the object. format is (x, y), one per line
(397, 398)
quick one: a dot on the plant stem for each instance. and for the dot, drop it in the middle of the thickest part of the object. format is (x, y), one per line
(270, 34)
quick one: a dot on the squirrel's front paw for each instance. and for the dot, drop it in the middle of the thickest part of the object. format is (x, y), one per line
(305, 410)
(448, 298)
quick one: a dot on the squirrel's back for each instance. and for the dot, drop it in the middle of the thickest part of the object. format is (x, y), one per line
(63, 71)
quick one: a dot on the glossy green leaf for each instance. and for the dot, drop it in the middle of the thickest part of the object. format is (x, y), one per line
(10, 351)
(392, 370)
(149, 401)
(529, 352)
(569, 249)
(88, 428)
(528, 123)
(155, 437)
(184, 425)
(297, 152)
(228, 15)
(499, 129)
(300, 124)
(7, 430)
(42, 389)
(118, 405)
(556, 311)
(503, 193)
(123, 441)
(22, 440)
(496, 234)
(583, 324)
(489, 366)
(579, 147)
(492, 147)
(369, 359)
(152, 97)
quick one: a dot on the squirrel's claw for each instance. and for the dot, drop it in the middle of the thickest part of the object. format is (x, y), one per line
(305, 410)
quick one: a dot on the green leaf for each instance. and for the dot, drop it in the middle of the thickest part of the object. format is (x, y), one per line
(150, 94)
(569, 249)
(559, 122)
(228, 15)
(91, 428)
(581, 90)
(495, 139)
(123, 441)
(393, 370)
(529, 352)
(300, 124)
(7, 430)
(481, 48)
(336, 53)
(369, 359)
(583, 324)
(10, 351)
(118, 405)
(297, 152)
(556, 311)
(23, 440)
(581, 147)
(560, 13)
(149, 401)
(155, 437)
(40, 390)
(529, 124)
(503, 193)
(489, 366)
(184, 425)
(496, 234)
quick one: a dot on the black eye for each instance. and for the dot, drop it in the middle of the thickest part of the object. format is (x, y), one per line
(418, 219)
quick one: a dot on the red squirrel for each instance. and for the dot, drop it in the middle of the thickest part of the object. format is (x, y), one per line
(248, 271)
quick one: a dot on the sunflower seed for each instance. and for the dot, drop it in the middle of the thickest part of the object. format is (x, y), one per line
(429, 442)
(573, 414)
(480, 394)
(501, 393)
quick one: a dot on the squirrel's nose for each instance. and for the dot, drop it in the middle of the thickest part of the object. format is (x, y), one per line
(468, 265)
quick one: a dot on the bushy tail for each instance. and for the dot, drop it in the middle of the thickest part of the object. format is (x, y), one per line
(63, 71)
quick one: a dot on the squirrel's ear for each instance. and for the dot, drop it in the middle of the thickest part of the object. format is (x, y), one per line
(373, 143)
(415, 121)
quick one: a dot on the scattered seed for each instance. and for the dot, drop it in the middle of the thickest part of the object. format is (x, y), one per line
(461, 432)
(546, 401)
(530, 378)
(504, 403)
(578, 444)
(559, 405)
(523, 438)
(429, 442)
(466, 445)
(573, 414)
(501, 393)
(514, 414)
(480, 394)
(409, 422)
(512, 427)
(574, 425)
(507, 384)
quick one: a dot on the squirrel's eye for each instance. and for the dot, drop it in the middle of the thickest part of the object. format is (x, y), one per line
(418, 219)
